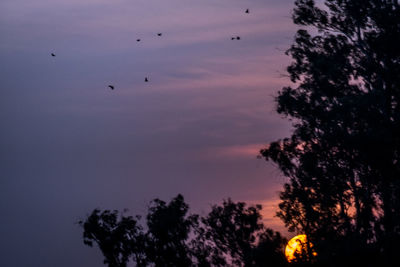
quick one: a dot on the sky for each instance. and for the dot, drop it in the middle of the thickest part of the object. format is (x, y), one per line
(69, 144)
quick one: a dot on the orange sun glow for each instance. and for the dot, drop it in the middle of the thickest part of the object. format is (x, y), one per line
(297, 246)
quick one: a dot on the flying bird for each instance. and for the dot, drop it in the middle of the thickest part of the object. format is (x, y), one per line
(233, 38)
(137, 40)
(111, 87)
(146, 79)
(237, 37)
(53, 55)
(159, 34)
(247, 11)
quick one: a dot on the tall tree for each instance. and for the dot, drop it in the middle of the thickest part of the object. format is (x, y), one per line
(169, 227)
(343, 158)
(238, 234)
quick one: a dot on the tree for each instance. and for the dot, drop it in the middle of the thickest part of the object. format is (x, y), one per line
(230, 235)
(342, 158)
(168, 233)
(269, 249)
(118, 237)
(238, 234)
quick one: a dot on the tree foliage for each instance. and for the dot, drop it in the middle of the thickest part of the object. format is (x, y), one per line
(234, 229)
(118, 237)
(342, 158)
(230, 235)
(168, 233)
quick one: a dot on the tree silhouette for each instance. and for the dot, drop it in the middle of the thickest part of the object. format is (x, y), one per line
(168, 233)
(230, 235)
(342, 159)
(118, 237)
(269, 250)
(238, 233)
(233, 228)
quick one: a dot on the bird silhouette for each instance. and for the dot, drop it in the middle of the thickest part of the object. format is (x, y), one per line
(233, 38)
(247, 11)
(146, 79)
(111, 87)
(137, 40)
(159, 34)
(237, 37)
(53, 55)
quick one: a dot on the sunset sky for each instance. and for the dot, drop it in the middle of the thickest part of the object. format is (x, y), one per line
(69, 144)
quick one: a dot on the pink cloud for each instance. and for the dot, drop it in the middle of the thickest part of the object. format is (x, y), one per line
(235, 151)
(268, 212)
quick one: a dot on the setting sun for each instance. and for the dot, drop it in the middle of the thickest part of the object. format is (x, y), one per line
(296, 246)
